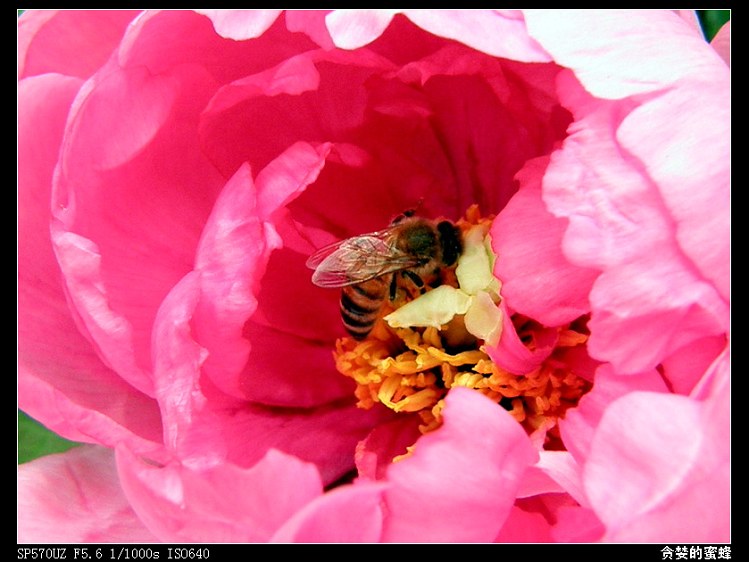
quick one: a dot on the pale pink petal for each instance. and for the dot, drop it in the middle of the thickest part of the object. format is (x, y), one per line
(620, 53)
(618, 223)
(555, 472)
(241, 24)
(691, 18)
(659, 468)
(217, 503)
(500, 33)
(72, 42)
(537, 280)
(693, 177)
(75, 497)
(351, 29)
(61, 380)
(458, 472)
(722, 42)
(351, 514)
(580, 423)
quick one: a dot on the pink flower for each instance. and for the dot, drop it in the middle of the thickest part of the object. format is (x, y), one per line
(177, 168)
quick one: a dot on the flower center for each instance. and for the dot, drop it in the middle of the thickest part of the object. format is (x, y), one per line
(427, 341)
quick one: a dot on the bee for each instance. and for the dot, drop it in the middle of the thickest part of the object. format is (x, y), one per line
(365, 267)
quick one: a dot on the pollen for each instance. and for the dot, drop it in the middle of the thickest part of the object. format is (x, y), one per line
(410, 369)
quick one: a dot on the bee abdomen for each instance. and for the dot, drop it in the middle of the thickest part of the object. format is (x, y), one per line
(361, 304)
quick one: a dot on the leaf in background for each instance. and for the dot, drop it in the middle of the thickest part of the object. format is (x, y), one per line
(35, 440)
(712, 21)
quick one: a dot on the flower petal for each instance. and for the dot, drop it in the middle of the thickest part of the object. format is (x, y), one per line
(722, 42)
(75, 497)
(311, 22)
(241, 24)
(71, 42)
(232, 257)
(659, 468)
(217, 503)
(619, 224)
(694, 178)
(580, 423)
(537, 279)
(500, 33)
(524, 526)
(204, 424)
(512, 354)
(61, 380)
(115, 176)
(351, 29)
(351, 514)
(620, 53)
(375, 454)
(458, 473)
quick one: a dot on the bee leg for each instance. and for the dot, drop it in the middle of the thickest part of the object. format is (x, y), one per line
(416, 280)
(393, 287)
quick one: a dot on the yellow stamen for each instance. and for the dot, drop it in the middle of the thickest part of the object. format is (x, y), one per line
(411, 369)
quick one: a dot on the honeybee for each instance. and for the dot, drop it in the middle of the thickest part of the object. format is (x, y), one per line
(365, 267)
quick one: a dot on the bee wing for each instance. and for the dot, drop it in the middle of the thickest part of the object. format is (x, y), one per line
(357, 259)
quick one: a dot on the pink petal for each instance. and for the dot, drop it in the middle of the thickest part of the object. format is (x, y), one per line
(659, 468)
(375, 454)
(620, 53)
(577, 524)
(75, 497)
(618, 224)
(217, 502)
(72, 42)
(127, 158)
(580, 423)
(694, 178)
(537, 280)
(203, 423)
(351, 514)
(351, 29)
(162, 40)
(688, 365)
(524, 526)
(458, 472)
(500, 33)
(722, 42)
(512, 354)
(315, 83)
(241, 24)
(232, 257)
(311, 22)
(62, 382)
(555, 472)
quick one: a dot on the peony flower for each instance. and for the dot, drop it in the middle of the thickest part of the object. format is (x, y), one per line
(569, 381)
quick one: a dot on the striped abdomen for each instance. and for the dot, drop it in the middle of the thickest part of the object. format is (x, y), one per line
(361, 304)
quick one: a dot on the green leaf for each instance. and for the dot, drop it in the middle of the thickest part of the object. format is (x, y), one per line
(35, 440)
(712, 21)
